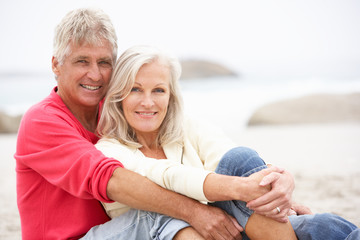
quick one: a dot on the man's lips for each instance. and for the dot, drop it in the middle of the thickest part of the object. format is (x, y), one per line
(89, 87)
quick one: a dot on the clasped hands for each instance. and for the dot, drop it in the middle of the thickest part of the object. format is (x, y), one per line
(272, 197)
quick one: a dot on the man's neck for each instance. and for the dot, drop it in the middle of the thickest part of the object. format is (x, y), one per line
(88, 120)
(87, 116)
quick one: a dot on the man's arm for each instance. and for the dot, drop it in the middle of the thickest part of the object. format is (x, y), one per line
(139, 192)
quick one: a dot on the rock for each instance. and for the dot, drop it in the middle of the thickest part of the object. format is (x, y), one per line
(319, 108)
(9, 124)
(203, 69)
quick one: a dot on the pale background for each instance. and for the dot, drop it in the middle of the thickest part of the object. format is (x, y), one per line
(280, 49)
(256, 38)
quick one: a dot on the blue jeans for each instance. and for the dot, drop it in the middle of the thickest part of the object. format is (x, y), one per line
(137, 224)
(243, 162)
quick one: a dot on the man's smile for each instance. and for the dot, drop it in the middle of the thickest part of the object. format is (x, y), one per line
(90, 87)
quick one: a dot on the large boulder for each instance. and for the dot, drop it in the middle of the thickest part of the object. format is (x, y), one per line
(203, 69)
(8, 123)
(318, 108)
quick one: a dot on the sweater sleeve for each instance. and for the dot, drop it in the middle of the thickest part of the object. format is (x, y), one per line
(169, 174)
(55, 145)
(209, 141)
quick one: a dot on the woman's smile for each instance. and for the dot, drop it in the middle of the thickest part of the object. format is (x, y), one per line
(146, 105)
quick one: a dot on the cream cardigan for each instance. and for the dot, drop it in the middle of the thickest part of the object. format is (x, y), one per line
(186, 167)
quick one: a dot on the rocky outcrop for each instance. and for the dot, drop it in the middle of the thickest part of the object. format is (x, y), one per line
(203, 69)
(8, 123)
(319, 108)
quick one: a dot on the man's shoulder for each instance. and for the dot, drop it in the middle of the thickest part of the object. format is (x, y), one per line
(42, 108)
(48, 110)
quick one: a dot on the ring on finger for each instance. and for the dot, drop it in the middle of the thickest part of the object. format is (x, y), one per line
(278, 209)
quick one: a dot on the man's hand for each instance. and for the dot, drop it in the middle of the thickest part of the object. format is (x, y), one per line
(277, 202)
(215, 224)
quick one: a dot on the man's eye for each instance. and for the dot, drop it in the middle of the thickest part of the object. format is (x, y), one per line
(105, 63)
(82, 61)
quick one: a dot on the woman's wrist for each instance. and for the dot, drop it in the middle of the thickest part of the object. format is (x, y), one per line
(218, 187)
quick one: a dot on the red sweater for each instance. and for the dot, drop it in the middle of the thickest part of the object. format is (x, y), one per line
(61, 176)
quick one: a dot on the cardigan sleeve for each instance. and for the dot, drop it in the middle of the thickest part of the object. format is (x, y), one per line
(167, 173)
(208, 140)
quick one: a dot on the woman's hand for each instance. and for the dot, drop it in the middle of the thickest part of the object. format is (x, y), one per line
(277, 202)
(299, 209)
(218, 187)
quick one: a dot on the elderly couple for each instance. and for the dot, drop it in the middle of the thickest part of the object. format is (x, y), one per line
(153, 174)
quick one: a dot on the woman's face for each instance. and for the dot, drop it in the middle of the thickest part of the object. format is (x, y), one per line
(146, 106)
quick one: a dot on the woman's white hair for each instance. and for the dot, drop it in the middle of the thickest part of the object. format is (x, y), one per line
(113, 124)
(81, 26)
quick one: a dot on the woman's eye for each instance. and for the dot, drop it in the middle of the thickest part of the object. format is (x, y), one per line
(159, 90)
(135, 89)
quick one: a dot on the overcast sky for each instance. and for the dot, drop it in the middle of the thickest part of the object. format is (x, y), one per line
(299, 38)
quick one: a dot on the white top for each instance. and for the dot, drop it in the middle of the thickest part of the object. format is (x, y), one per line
(186, 167)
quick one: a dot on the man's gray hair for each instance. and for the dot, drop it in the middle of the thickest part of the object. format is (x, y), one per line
(81, 26)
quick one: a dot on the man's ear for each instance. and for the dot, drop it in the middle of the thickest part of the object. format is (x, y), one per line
(55, 66)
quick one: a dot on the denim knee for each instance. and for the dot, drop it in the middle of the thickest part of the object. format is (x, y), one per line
(321, 226)
(240, 161)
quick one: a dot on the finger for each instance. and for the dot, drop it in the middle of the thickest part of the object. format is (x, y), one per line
(233, 227)
(236, 233)
(263, 200)
(271, 169)
(272, 213)
(236, 224)
(291, 212)
(270, 178)
(278, 212)
(218, 236)
(270, 208)
(276, 215)
(276, 169)
(269, 201)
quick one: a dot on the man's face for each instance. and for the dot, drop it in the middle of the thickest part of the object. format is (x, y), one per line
(84, 76)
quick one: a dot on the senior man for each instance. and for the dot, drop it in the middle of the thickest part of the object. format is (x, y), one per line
(62, 177)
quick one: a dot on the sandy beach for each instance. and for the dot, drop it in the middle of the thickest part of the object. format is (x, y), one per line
(324, 159)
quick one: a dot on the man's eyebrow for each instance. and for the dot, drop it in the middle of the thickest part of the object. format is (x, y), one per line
(109, 59)
(81, 57)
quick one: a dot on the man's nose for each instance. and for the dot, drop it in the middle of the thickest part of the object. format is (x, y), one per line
(94, 72)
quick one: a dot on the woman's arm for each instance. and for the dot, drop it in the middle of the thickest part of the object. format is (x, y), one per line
(169, 174)
(216, 186)
(196, 183)
(210, 141)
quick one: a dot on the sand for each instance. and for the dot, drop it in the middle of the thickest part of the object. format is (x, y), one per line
(10, 222)
(324, 159)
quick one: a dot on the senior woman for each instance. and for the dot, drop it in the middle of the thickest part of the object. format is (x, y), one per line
(142, 121)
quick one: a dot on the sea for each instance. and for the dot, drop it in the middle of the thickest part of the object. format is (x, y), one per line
(229, 101)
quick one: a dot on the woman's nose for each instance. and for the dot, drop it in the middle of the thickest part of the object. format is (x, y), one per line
(147, 101)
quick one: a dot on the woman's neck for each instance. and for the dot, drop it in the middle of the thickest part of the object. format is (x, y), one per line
(149, 147)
